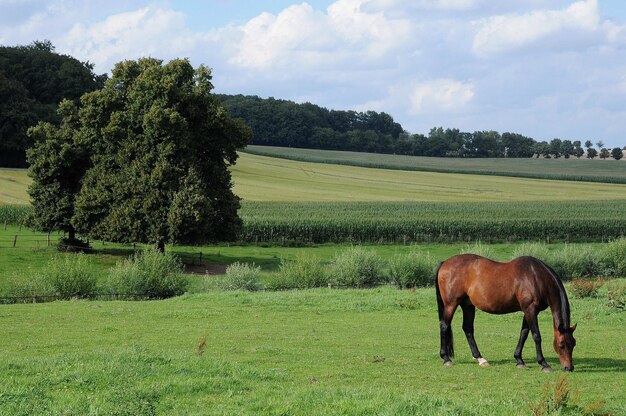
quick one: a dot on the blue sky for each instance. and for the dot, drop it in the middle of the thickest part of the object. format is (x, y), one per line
(543, 68)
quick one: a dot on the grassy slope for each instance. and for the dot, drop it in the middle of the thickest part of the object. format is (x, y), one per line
(13, 184)
(309, 352)
(261, 178)
(569, 169)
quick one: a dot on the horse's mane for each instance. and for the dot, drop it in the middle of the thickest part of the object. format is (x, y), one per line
(565, 313)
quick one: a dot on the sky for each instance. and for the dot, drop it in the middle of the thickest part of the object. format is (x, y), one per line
(543, 68)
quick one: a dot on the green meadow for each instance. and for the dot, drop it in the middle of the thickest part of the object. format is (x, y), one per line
(313, 352)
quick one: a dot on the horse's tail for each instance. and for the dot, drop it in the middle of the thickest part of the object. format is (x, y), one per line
(449, 340)
(439, 299)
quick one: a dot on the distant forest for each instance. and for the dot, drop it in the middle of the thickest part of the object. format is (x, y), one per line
(285, 123)
(34, 79)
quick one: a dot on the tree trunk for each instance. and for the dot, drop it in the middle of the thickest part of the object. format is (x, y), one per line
(160, 245)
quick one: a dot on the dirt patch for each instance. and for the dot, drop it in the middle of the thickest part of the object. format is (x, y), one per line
(206, 268)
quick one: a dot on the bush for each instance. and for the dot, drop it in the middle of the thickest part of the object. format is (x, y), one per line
(614, 258)
(68, 276)
(413, 269)
(358, 267)
(616, 293)
(242, 276)
(303, 272)
(537, 250)
(149, 274)
(573, 261)
(586, 288)
(479, 249)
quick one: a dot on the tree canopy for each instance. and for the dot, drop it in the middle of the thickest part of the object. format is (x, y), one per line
(158, 145)
(33, 80)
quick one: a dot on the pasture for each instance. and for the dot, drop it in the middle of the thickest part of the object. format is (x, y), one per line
(590, 170)
(317, 352)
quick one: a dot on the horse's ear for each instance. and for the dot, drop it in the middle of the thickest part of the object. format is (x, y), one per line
(573, 328)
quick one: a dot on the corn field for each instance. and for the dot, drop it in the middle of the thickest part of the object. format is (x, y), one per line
(319, 222)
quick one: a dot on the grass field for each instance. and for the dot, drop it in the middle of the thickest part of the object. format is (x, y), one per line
(260, 178)
(314, 352)
(595, 170)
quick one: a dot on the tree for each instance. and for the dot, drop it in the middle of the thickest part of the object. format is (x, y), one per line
(159, 148)
(57, 165)
(604, 153)
(600, 144)
(588, 144)
(567, 148)
(555, 148)
(578, 150)
(33, 80)
(617, 153)
(591, 153)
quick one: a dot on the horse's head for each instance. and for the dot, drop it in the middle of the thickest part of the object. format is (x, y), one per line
(564, 344)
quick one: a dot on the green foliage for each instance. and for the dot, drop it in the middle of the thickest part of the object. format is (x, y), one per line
(570, 262)
(33, 80)
(70, 276)
(14, 214)
(533, 249)
(358, 267)
(148, 274)
(404, 222)
(305, 271)
(242, 276)
(617, 153)
(480, 249)
(413, 269)
(144, 159)
(614, 258)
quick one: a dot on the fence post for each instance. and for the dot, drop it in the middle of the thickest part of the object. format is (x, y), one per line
(201, 258)
(14, 240)
(48, 238)
(5, 225)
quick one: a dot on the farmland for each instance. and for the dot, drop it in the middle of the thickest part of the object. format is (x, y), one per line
(561, 169)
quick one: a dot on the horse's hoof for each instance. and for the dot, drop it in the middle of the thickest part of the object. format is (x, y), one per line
(448, 364)
(521, 366)
(547, 369)
(482, 362)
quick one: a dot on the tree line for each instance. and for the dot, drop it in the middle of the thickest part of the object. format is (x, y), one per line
(285, 123)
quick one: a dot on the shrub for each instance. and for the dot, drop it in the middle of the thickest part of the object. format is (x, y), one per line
(573, 261)
(242, 276)
(537, 250)
(358, 267)
(616, 293)
(149, 274)
(614, 258)
(585, 288)
(479, 249)
(27, 288)
(411, 270)
(69, 276)
(303, 272)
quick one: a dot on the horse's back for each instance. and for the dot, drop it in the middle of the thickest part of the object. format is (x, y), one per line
(489, 285)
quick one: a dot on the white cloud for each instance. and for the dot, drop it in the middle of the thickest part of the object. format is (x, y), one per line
(300, 36)
(505, 32)
(441, 95)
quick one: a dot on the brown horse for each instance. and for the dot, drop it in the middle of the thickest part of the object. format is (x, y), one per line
(525, 284)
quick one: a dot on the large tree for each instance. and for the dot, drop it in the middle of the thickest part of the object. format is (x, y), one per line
(159, 147)
(33, 80)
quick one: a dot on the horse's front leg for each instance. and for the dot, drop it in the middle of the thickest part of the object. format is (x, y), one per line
(533, 325)
(520, 345)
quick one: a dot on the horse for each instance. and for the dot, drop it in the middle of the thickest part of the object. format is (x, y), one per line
(524, 284)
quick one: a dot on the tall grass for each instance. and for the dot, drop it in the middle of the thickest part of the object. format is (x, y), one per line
(413, 269)
(358, 267)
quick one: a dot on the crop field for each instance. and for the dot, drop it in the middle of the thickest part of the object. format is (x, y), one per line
(13, 184)
(317, 352)
(573, 169)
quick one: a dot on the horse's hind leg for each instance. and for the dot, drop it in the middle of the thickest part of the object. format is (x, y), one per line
(469, 313)
(520, 345)
(445, 329)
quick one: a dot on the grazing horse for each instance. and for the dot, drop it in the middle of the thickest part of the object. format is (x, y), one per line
(525, 284)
